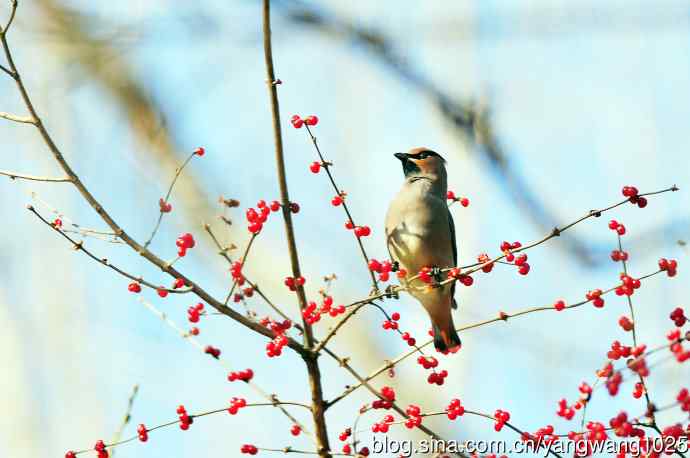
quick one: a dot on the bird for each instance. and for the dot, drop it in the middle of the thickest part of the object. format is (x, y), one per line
(420, 233)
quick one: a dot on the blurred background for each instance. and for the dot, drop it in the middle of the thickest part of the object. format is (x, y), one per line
(543, 109)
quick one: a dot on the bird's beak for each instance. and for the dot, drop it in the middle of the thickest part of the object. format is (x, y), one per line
(402, 156)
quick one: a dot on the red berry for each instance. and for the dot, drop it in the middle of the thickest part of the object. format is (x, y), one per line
(315, 167)
(613, 224)
(70, 454)
(294, 207)
(464, 201)
(450, 195)
(295, 430)
(200, 151)
(296, 121)
(311, 120)
(255, 228)
(162, 292)
(337, 200)
(559, 305)
(134, 287)
(395, 316)
(275, 206)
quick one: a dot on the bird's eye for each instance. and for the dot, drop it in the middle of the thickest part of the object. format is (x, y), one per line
(423, 155)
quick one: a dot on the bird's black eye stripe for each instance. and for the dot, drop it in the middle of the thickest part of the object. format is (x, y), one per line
(425, 154)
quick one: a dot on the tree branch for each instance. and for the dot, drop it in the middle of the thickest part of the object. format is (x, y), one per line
(15, 118)
(22, 176)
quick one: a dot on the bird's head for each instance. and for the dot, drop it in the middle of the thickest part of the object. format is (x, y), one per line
(422, 162)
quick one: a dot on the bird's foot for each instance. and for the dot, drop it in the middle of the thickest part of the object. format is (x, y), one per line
(436, 274)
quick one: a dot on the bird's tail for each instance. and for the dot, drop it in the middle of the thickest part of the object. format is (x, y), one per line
(446, 339)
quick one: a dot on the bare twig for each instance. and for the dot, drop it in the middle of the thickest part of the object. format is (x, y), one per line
(128, 416)
(15, 118)
(22, 176)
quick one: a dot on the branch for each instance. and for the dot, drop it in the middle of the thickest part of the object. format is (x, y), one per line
(128, 416)
(187, 337)
(318, 410)
(15, 118)
(105, 216)
(79, 246)
(167, 196)
(22, 176)
(338, 191)
(502, 316)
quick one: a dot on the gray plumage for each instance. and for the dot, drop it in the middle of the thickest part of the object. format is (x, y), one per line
(420, 233)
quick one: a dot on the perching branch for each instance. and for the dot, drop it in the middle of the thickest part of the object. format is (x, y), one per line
(22, 176)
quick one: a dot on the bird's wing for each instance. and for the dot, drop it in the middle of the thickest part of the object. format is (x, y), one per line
(451, 225)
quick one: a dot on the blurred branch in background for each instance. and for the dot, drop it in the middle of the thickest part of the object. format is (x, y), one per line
(470, 119)
(70, 35)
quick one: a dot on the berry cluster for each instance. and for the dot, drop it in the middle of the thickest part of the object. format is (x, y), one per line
(437, 377)
(502, 417)
(414, 416)
(384, 269)
(100, 449)
(134, 287)
(455, 409)
(213, 351)
(298, 122)
(292, 283)
(327, 307)
(633, 196)
(543, 435)
(256, 219)
(311, 313)
(383, 425)
(668, 265)
(245, 375)
(184, 243)
(194, 312)
(236, 272)
(595, 297)
(520, 260)
(236, 404)
(677, 349)
(625, 323)
(619, 255)
(411, 341)
(393, 322)
(628, 287)
(678, 317)
(638, 391)
(345, 435)
(275, 346)
(616, 226)
(566, 411)
(185, 420)
(483, 258)
(464, 201)
(456, 274)
(143, 433)
(249, 449)
(164, 207)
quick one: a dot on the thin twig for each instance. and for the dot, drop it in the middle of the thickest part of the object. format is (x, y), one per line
(167, 197)
(119, 231)
(502, 316)
(337, 190)
(126, 419)
(79, 246)
(189, 338)
(22, 176)
(15, 118)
